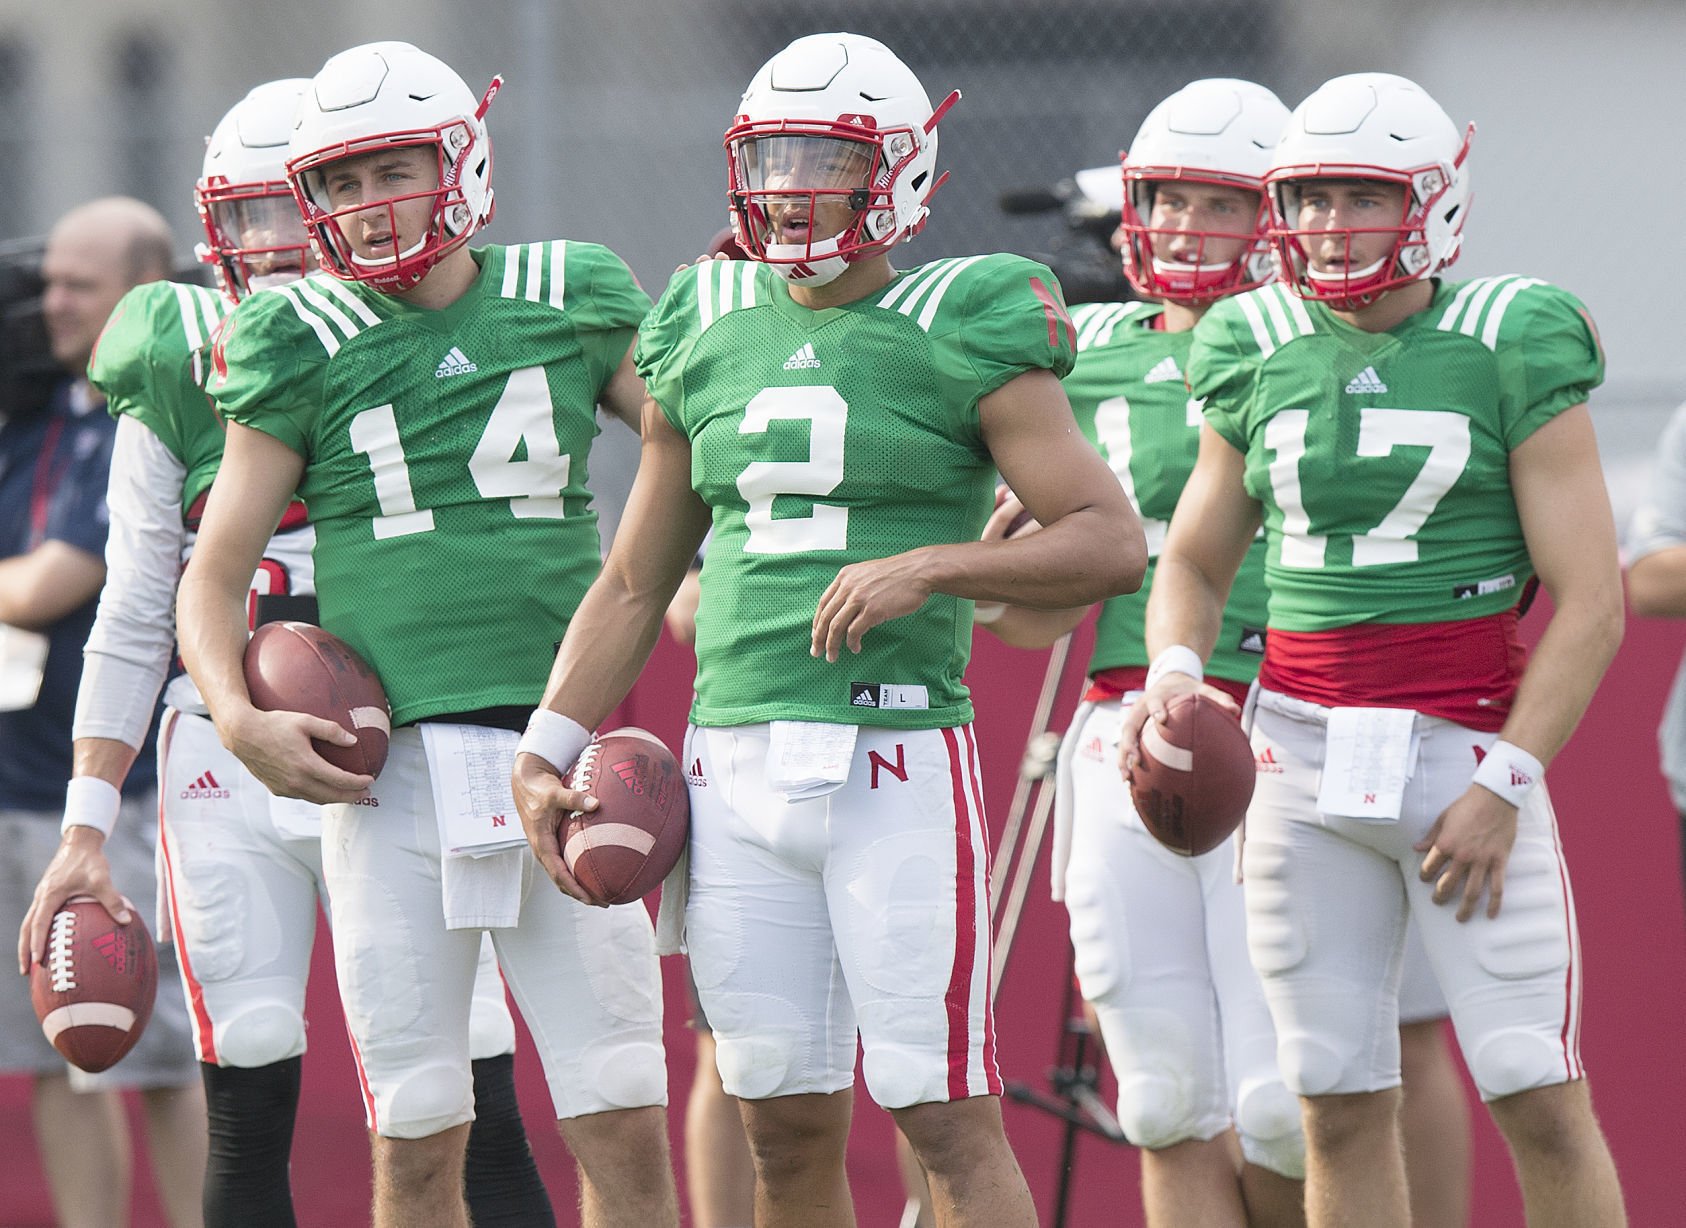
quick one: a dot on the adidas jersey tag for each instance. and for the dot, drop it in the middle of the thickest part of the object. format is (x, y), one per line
(888, 695)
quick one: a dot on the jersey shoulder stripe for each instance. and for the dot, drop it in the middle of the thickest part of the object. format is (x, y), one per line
(329, 308)
(1479, 308)
(1096, 322)
(537, 272)
(200, 310)
(1274, 317)
(722, 287)
(925, 290)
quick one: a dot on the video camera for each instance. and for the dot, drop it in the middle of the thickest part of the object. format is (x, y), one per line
(27, 369)
(1080, 254)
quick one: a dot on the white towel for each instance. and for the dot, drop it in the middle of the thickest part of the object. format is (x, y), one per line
(670, 916)
(483, 892)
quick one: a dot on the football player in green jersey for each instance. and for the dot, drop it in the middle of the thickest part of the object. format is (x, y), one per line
(1161, 938)
(434, 405)
(1418, 452)
(244, 950)
(839, 423)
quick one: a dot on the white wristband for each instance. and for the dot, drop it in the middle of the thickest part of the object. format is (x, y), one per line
(90, 802)
(1508, 771)
(555, 738)
(1177, 659)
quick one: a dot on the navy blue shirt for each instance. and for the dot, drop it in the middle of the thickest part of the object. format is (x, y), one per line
(53, 469)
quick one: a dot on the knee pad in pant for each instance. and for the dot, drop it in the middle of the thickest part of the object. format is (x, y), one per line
(1154, 1110)
(260, 1034)
(1515, 1060)
(426, 1101)
(1267, 1117)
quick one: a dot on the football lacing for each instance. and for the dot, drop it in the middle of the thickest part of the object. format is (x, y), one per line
(60, 939)
(585, 770)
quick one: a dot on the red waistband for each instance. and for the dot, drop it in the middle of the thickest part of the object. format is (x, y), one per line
(1122, 679)
(292, 518)
(1464, 671)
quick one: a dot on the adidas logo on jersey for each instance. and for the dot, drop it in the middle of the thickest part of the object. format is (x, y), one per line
(1252, 640)
(454, 363)
(204, 789)
(802, 360)
(1366, 382)
(1164, 371)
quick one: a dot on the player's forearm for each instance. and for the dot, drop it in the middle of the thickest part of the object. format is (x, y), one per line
(211, 623)
(1656, 584)
(609, 639)
(1083, 557)
(1026, 628)
(1564, 670)
(103, 758)
(1185, 607)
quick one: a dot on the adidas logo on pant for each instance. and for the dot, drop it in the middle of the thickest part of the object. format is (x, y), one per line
(204, 789)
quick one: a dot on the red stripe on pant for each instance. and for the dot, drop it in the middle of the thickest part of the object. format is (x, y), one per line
(203, 1030)
(958, 1000)
(992, 1075)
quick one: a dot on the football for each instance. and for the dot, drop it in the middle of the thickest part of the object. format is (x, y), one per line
(1194, 777)
(297, 667)
(94, 993)
(621, 851)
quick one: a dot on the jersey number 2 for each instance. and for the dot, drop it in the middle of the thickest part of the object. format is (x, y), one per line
(523, 416)
(1446, 436)
(826, 527)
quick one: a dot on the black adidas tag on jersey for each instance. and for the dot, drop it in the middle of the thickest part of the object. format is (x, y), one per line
(863, 694)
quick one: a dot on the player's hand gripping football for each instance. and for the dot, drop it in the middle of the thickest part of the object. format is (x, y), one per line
(543, 801)
(1469, 846)
(276, 747)
(1152, 705)
(864, 595)
(78, 867)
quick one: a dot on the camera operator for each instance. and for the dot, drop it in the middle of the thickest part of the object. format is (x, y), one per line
(54, 460)
(1084, 255)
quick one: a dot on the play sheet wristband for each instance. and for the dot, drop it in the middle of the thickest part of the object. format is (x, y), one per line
(555, 738)
(90, 802)
(1509, 771)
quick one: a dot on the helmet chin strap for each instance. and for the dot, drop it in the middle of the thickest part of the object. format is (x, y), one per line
(806, 264)
(1166, 268)
(1347, 275)
(366, 262)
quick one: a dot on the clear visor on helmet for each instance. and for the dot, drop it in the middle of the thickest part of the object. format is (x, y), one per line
(804, 189)
(257, 237)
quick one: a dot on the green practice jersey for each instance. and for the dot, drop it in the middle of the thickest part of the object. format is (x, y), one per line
(445, 459)
(1382, 459)
(824, 438)
(1128, 392)
(150, 364)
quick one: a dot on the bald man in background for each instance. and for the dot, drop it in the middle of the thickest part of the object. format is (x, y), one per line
(54, 461)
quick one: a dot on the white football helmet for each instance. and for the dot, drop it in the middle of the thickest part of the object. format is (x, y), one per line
(254, 234)
(1372, 126)
(833, 118)
(1218, 131)
(385, 96)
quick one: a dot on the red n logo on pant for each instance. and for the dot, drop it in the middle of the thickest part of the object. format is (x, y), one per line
(898, 769)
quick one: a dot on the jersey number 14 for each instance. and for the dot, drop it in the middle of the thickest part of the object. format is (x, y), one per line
(523, 417)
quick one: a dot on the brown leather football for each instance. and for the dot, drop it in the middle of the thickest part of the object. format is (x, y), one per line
(297, 667)
(1194, 777)
(621, 851)
(94, 993)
